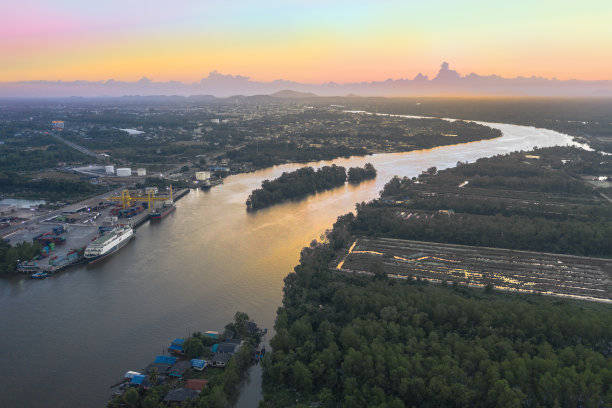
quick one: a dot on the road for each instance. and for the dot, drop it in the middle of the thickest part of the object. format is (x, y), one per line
(75, 146)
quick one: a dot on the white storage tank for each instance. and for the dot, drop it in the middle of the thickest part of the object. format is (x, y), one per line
(202, 175)
(141, 172)
(124, 172)
(109, 169)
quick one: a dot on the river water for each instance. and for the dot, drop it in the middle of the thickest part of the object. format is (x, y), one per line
(66, 339)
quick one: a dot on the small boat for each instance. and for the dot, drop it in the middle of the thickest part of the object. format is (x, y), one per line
(40, 275)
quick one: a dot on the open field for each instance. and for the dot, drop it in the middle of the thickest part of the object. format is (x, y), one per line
(521, 271)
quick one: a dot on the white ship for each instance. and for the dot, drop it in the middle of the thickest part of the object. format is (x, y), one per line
(109, 243)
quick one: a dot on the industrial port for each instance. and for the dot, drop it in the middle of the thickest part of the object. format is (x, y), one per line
(65, 234)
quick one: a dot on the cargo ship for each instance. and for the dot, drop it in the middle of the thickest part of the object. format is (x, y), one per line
(162, 212)
(108, 244)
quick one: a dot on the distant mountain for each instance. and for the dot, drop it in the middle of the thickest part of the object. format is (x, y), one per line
(287, 93)
(446, 82)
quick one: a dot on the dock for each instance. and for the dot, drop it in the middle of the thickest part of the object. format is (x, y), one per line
(77, 234)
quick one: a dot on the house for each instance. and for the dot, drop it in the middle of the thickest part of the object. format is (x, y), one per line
(198, 364)
(130, 374)
(196, 384)
(176, 349)
(177, 346)
(181, 395)
(139, 380)
(179, 368)
(230, 346)
(165, 360)
(220, 359)
(161, 364)
(212, 334)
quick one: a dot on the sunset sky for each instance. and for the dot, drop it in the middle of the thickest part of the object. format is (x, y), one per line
(308, 41)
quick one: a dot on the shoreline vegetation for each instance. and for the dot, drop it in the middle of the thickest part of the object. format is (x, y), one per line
(11, 255)
(355, 340)
(306, 181)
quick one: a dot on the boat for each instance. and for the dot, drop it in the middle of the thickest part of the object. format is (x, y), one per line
(162, 212)
(108, 243)
(40, 275)
(28, 266)
(208, 184)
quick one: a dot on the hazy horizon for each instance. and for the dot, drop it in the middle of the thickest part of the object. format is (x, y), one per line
(446, 82)
(306, 42)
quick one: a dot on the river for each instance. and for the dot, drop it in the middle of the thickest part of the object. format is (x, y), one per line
(66, 339)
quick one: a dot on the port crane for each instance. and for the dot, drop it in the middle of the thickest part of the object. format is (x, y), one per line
(127, 200)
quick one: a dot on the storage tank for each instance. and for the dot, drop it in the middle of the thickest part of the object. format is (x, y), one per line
(202, 175)
(124, 172)
(141, 172)
(109, 169)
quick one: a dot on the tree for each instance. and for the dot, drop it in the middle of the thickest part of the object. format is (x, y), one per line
(194, 347)
(240, 323)
(153, 376)
(378, 269)
(302, 377)
(131, 397)
(150, 402)
(217, 398)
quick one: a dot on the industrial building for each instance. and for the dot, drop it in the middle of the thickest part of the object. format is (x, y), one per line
(124, 172)
(203, 175)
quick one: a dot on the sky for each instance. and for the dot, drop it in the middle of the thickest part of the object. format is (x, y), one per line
(310, 41)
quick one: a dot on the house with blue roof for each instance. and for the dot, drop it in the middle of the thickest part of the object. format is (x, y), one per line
(139, 380)
(198, 364)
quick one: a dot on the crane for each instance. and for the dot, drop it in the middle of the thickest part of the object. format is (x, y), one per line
(126, 199)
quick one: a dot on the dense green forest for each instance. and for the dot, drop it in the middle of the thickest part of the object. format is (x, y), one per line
(356, 175)
(509, 201)
(51, 189)
(266, 154)
(296, 184)
(346, 341)
(357, 341)
(10, 255)
(586, 118)
(36, 152)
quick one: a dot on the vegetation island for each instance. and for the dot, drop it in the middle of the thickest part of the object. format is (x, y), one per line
(305, 181)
